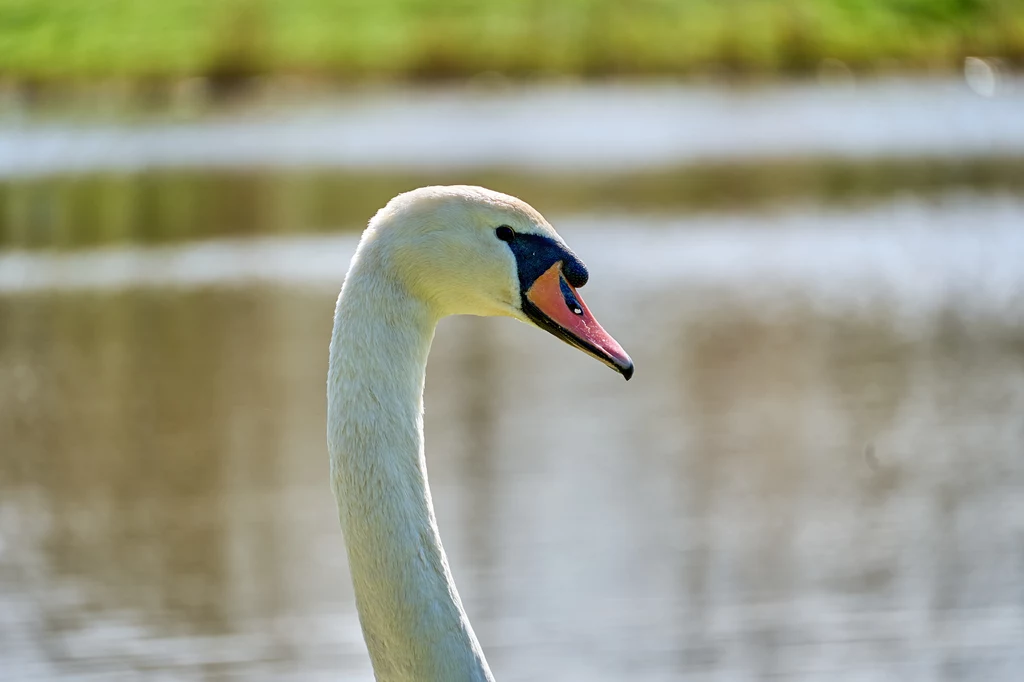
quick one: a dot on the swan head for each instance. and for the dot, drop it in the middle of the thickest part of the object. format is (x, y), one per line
(472, 251)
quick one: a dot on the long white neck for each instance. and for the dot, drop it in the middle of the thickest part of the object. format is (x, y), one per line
(412, 618)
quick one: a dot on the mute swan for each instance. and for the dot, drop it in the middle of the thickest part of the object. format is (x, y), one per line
(429, 253)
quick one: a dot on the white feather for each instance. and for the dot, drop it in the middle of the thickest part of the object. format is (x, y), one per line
(427, 254)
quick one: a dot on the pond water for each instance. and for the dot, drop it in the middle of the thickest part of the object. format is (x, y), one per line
(815, 474)
(562, 127)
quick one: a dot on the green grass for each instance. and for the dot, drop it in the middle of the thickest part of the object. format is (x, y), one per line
(84, 39)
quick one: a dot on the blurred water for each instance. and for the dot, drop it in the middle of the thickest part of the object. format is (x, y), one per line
(68, 180)
(74, 211)
(815, 474)
(562, 127)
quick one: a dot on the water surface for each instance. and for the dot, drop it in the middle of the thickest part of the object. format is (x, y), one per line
(815, 473)
(561, 127)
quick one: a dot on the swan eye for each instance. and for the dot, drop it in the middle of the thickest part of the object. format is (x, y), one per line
(505, 233)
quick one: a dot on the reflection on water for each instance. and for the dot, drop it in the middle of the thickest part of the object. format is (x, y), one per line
(314, 166)
(796, 491)
(68, 211)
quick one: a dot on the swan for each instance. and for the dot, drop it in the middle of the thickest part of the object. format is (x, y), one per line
(429, 253)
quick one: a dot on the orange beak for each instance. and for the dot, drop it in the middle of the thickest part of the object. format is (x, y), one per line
(560, 310)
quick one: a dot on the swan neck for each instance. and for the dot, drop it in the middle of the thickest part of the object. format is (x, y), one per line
(412, 618)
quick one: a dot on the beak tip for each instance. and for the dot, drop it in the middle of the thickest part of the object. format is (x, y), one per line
(627, 371)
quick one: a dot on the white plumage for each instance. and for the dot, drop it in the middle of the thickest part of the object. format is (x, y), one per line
(429, 253)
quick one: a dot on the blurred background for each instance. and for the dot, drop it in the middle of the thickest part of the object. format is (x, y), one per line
(804, 219)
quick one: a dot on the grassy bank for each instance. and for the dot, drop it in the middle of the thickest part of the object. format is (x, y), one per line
(232, 39)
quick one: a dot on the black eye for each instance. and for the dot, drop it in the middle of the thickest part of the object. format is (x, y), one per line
(505, 233)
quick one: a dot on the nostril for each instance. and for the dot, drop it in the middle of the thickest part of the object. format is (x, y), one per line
(571, 302)
(575, 271)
